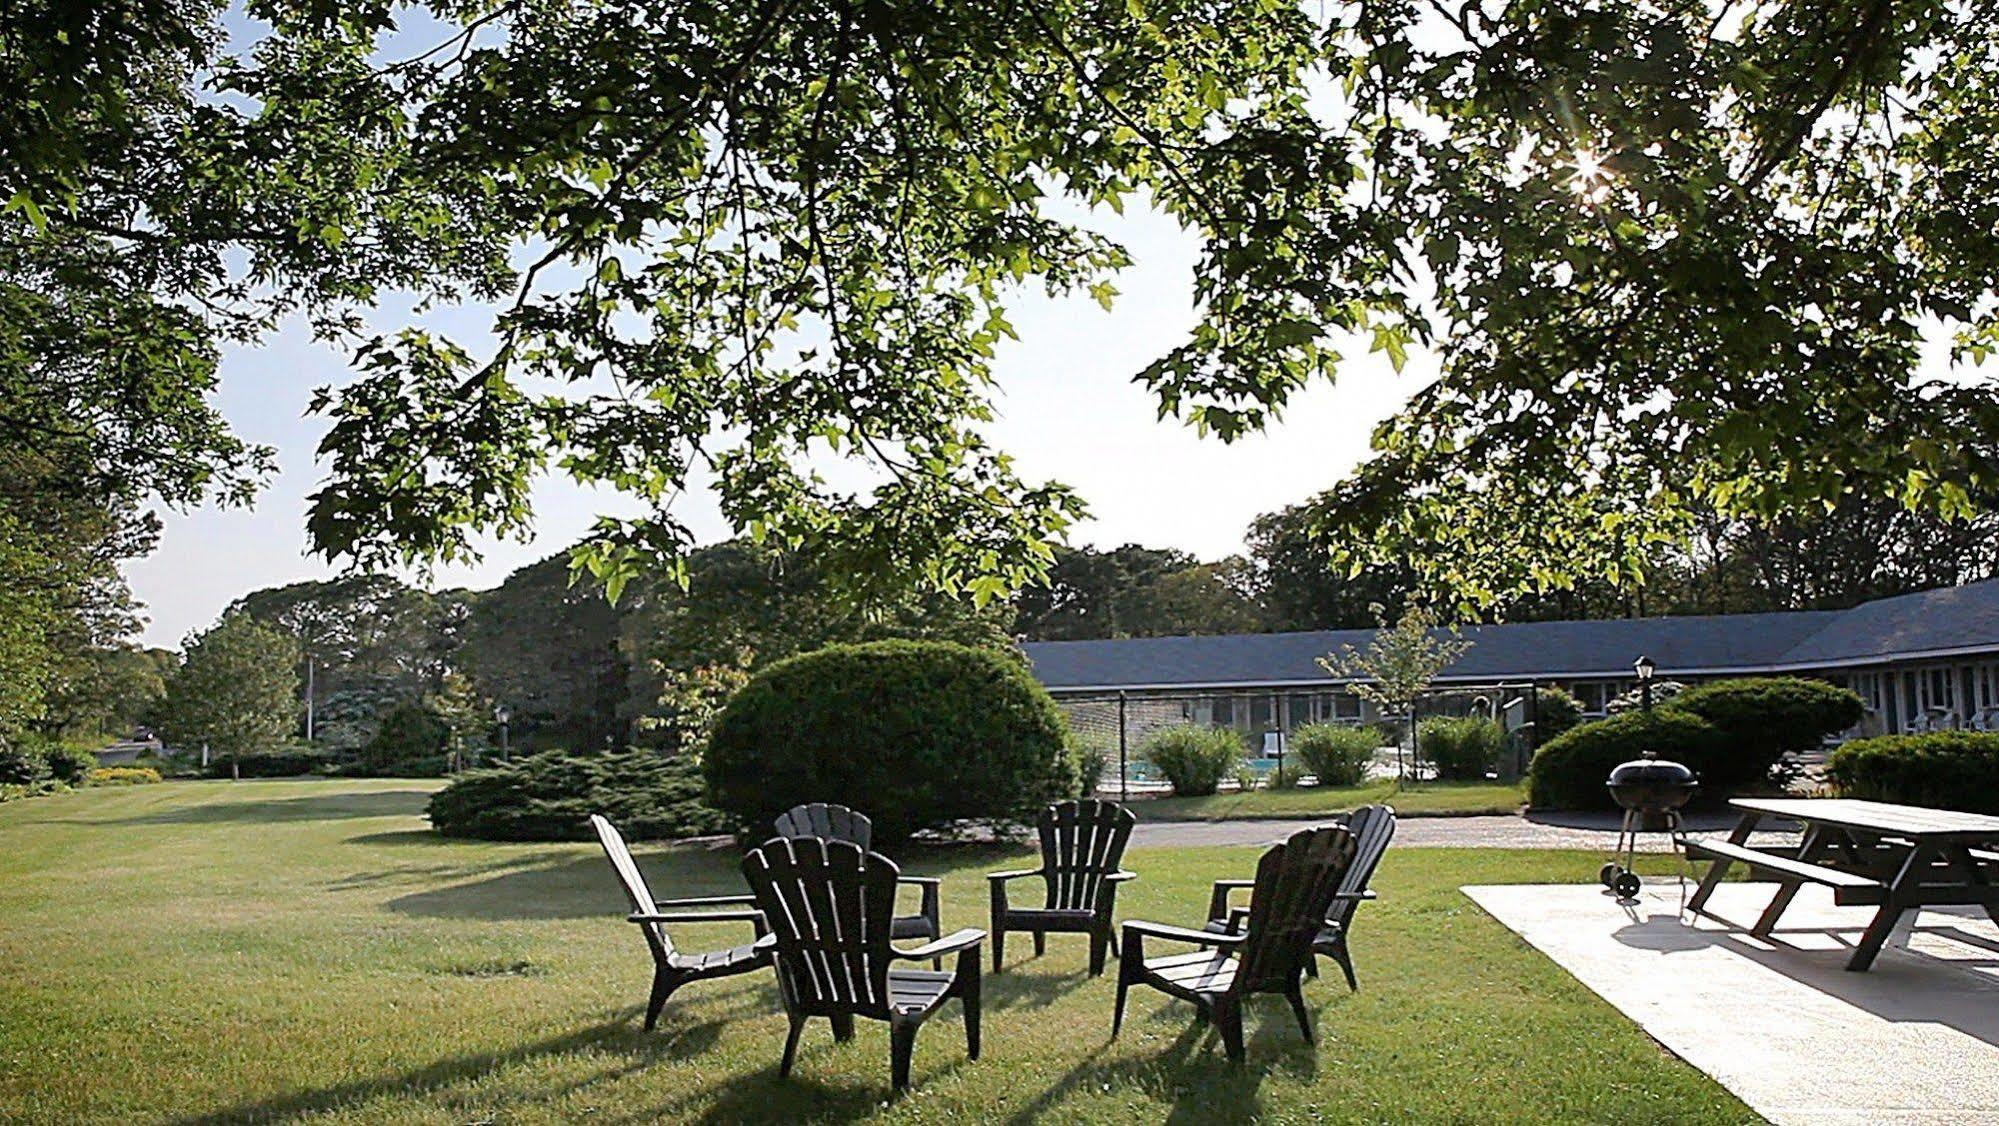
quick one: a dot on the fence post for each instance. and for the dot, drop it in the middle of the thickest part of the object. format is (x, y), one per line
(1123, 768)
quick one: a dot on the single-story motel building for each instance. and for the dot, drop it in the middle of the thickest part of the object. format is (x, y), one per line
(1919, 661)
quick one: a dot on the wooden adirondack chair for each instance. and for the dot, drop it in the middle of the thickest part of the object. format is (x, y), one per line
(1082, 844)
(671, 968)
(1294, 886)
(839, 823)
(1373, 826)
(829, 905)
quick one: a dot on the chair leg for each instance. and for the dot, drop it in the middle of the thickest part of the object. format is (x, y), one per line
(1312, 964)
(1099, 946)
(1040, 943)
(843, 1026)
(999, 944)
(968, 992)
(901, 1045)
(664, 982)
(1228, 1020)
(791, 1043)
(1345, 960)
(1296, 996)
(1126, 970)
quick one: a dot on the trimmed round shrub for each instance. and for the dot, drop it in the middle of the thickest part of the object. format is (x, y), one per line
(69, 765)
(22, 763)
(1569, 772)
(1769, 716)
(1194, 759)
(1555, 711)
(550, 797)
(1942, 769)
(1460, 747)
(915, 734)
(122, 776)
(1336, 753)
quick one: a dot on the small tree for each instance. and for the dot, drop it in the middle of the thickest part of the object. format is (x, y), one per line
(236, 690)
(1397, 665)
(462, 717)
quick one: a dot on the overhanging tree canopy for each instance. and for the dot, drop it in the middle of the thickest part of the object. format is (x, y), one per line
(1666, 255)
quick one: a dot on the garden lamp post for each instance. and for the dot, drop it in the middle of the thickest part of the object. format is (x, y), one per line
(500, 716)
(1645, 668)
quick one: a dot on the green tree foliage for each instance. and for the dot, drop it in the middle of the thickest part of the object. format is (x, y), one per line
(548, 649)
(1398, 663)
(917, 734)
(234, 692)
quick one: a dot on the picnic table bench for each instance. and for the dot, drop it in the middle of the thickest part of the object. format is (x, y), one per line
(1899, 857)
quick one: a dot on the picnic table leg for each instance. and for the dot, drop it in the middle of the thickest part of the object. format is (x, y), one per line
(1909, 875)
(1719, 868)
(1811, 848)
(1962, 864)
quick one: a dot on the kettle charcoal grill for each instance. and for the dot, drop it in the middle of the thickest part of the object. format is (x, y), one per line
(1651, 791)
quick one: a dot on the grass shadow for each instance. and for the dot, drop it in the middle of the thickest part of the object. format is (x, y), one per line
(311, 807)
(569, 888)
(616, 1036)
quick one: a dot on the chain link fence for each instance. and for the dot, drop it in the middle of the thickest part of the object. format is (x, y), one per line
(1115, 726)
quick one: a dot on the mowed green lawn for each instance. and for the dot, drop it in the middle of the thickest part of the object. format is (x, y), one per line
(1418, 799)
(201, 952)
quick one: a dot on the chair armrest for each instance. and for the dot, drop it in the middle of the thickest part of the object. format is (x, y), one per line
(697, 917)
(1120, 876)
(966, 939)
(707, 901)
(920, 881)
(1218, 900)
(1015, 874)
(1182, 934)
(1356, 896)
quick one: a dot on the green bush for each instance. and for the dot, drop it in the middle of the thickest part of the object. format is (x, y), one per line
(1765, 717)
(22, 762)
(1460, 746)
(122, 776)
(1194, 759)
(1336, 753)
(1943, 769)
(1555, 712)
(10, 791)
(407, 745)
(1569, 772)
(289, 762)
(1092, 761)
(69, 765)
(1284, 777)
(1633, 700)
(916, 734)
(550, 797)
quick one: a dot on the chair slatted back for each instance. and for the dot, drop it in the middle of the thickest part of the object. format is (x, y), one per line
(1295, 882)
(1081, 843)
(830, 905)
(634, 883)
(833, 822)
(1373, 826)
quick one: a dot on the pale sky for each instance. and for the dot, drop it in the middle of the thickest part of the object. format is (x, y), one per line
(1068, 412)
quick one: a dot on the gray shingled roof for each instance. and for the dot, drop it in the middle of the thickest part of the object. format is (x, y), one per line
(1949, 620)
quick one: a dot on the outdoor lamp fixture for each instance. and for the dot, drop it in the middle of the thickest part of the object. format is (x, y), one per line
(1645, 668)
(500, 716)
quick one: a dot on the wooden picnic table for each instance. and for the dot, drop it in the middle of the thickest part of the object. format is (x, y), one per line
(1897, 857)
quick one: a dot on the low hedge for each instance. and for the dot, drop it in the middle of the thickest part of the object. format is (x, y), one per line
(22, 763)
(122, 776)
(1460, 747)
(550, 797)
(1943, 769)
(287, 763)
(1194, 759)
(1569, 771)
(1337, 754)
(916, 734)
(1767, 716)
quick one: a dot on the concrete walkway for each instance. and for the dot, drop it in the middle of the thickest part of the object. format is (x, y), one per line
(1779, 1021)
(1588, 831)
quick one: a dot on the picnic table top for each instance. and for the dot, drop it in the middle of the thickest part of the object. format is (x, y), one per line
(1878, 817)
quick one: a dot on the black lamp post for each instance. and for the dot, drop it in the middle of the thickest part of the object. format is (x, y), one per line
(1645, 668)
(501, 716)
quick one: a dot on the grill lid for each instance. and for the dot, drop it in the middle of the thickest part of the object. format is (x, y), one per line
(1651, 770)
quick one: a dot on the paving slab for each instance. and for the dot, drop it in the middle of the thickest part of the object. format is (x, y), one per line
(1780, 1021)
